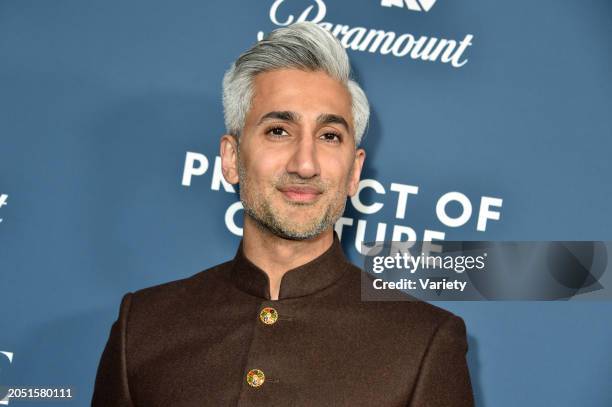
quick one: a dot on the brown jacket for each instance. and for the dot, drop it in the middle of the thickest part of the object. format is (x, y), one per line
(193, 342)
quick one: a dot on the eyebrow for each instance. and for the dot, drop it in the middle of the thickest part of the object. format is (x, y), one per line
(280, 115)
(294, 117)
(329, 118)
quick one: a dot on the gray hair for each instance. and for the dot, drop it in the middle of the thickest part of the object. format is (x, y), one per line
(302, 45)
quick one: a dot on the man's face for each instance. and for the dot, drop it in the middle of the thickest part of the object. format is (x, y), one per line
(297, 160)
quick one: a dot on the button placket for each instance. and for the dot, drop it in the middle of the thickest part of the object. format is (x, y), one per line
(260, 374)
(268, 316)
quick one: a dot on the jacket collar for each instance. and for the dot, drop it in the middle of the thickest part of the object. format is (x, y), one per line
(306, 279)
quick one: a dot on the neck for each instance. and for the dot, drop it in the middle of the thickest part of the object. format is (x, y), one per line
(275, 255)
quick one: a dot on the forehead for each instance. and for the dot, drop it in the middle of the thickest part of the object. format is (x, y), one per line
(309, 93)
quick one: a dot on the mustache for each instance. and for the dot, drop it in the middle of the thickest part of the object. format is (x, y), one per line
(287, 180)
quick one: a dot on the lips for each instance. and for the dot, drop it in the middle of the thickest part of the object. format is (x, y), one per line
(300, 193)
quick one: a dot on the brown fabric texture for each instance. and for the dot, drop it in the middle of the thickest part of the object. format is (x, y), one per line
(192, 342)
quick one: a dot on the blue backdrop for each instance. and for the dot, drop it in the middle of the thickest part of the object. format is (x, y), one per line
(101, 101)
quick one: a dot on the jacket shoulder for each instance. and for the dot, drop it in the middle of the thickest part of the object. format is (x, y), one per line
(172, 293)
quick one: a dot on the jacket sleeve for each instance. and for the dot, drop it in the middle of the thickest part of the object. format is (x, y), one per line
(444, 378)
(111, 387)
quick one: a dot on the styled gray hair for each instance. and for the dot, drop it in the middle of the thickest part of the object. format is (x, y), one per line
(302, 45)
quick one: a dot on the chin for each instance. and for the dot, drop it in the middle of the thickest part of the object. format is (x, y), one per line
(302, 234)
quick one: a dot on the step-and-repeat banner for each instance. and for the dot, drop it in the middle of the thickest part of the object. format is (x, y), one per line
(490, 122)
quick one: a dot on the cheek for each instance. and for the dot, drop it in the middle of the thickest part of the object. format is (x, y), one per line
(263, 170)
(338, 173)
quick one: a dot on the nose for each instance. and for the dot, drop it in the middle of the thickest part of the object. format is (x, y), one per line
(304, 161)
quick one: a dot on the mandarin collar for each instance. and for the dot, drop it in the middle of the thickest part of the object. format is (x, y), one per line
(303, 280)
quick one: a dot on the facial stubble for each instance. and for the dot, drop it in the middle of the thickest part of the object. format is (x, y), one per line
(258, 206)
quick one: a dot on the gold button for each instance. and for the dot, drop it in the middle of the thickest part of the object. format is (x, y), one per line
(268, 315)
(255, 378)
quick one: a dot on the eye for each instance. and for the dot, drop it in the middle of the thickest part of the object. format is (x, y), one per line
(277, 132)
(331, 137)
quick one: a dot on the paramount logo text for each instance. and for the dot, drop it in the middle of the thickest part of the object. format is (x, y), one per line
(417, 47)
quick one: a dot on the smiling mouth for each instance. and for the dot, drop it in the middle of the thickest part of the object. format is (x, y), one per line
(300, 193)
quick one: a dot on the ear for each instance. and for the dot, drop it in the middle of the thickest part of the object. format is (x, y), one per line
(229, 158)
(356, 171)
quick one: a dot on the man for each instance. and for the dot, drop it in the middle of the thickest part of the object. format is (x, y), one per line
(283, 324)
